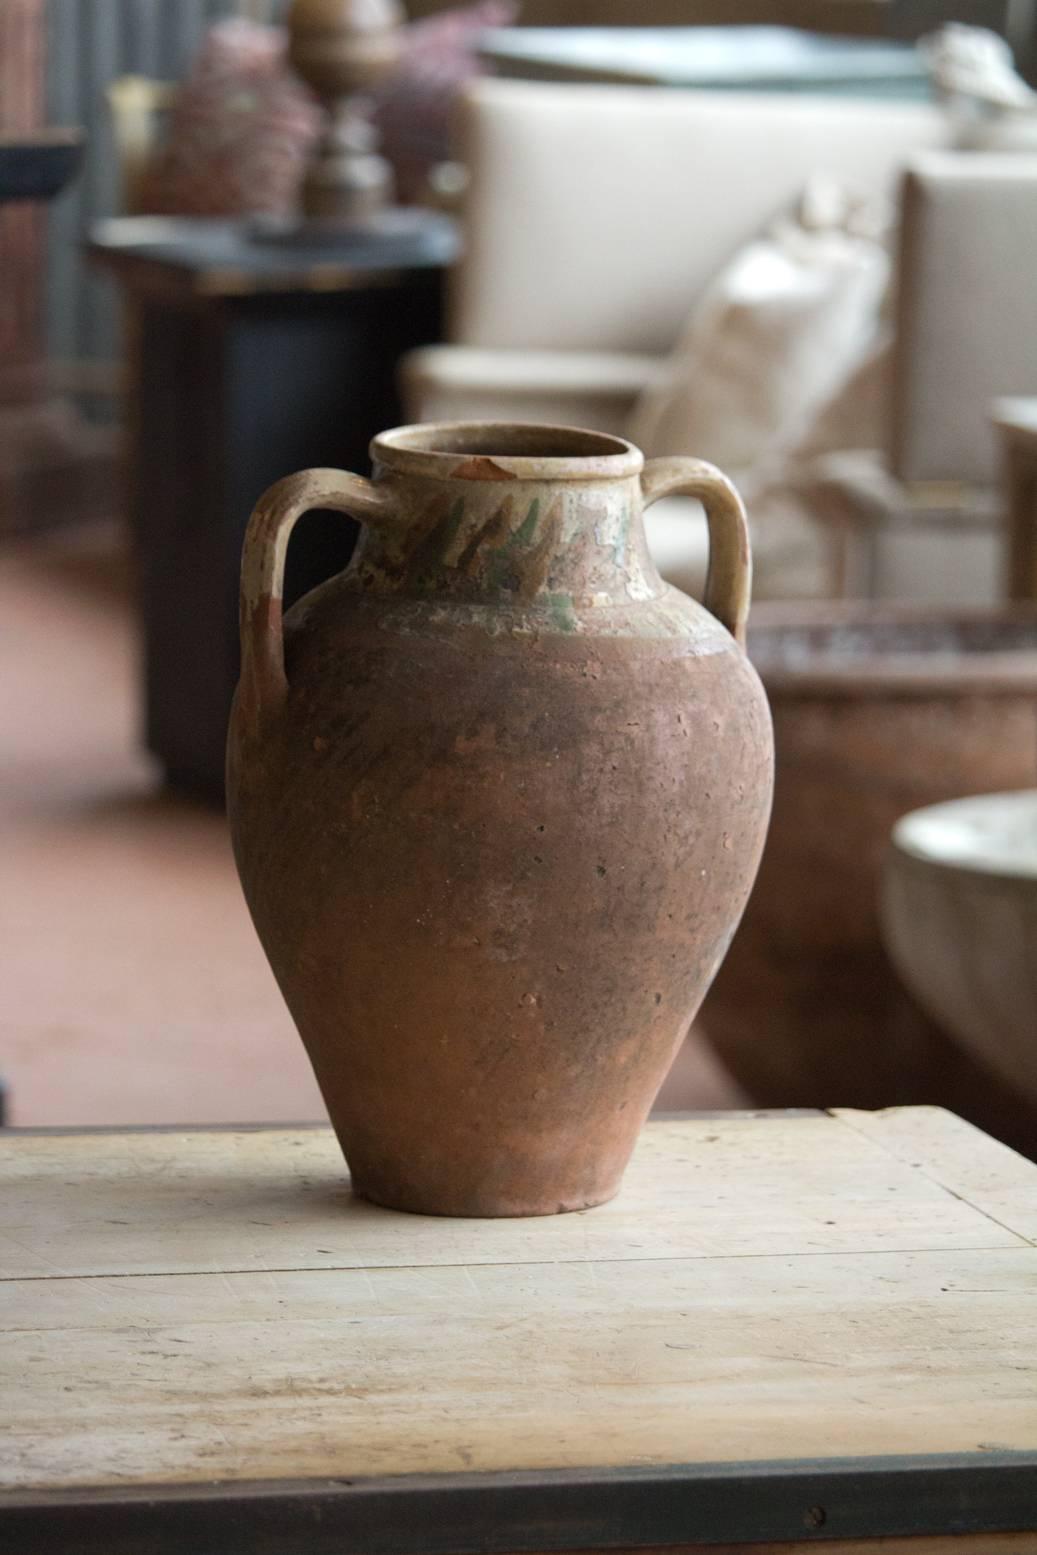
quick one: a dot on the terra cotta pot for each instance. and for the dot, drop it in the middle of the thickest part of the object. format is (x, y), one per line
(498, 795)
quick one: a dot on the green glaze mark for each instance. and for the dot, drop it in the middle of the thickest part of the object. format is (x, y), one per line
(563, 614)
(453, 522)
(519, 564)
(526, 533)
(500, 570)
(446, 532)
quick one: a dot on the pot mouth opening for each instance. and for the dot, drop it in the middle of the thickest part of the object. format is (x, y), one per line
(506, 450)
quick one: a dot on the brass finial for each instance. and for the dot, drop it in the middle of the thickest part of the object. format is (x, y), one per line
(342, 48)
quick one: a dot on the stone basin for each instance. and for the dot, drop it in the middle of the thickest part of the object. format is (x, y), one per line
(959, 917)
(879, 709)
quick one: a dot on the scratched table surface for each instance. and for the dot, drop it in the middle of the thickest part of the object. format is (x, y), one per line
(788, 1329)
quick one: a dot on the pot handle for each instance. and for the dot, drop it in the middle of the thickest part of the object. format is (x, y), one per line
(730, 575)
(263, 685)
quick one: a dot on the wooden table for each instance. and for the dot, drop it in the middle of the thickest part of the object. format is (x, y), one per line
(789, 1330)
(1016, 421)
(249, 358)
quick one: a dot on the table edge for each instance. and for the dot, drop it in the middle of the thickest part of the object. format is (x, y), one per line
(555, 1510)
(153, 267)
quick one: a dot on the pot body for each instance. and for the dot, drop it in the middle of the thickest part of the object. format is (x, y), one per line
(495, 846)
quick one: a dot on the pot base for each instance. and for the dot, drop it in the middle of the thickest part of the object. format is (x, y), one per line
(463, 1184)
(462, 1206)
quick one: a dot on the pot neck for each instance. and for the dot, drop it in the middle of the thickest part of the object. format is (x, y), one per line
(515, 540)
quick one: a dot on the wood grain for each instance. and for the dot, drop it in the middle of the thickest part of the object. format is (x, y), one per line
(189, 1307)
(713, 1187)
(376, 1372)
(962, 1159)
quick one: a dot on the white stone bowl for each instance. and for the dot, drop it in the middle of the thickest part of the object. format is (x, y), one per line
(959, 917)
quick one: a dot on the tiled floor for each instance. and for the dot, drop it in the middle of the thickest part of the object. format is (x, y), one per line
(133, 988)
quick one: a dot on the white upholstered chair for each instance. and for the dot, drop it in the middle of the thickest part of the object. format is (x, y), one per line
(927, 517)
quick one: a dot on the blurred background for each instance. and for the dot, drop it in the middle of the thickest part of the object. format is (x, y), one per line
(798, 238)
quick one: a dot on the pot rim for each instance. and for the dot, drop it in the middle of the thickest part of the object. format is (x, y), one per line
(506, 450)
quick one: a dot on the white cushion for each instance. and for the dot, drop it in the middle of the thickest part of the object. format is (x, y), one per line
(596, 214)
(782, 335)
(773, 339)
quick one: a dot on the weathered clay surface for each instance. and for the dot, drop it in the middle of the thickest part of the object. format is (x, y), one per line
(497, 832)
(877, 710)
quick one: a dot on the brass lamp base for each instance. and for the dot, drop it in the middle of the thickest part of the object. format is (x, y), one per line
(342, 48)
